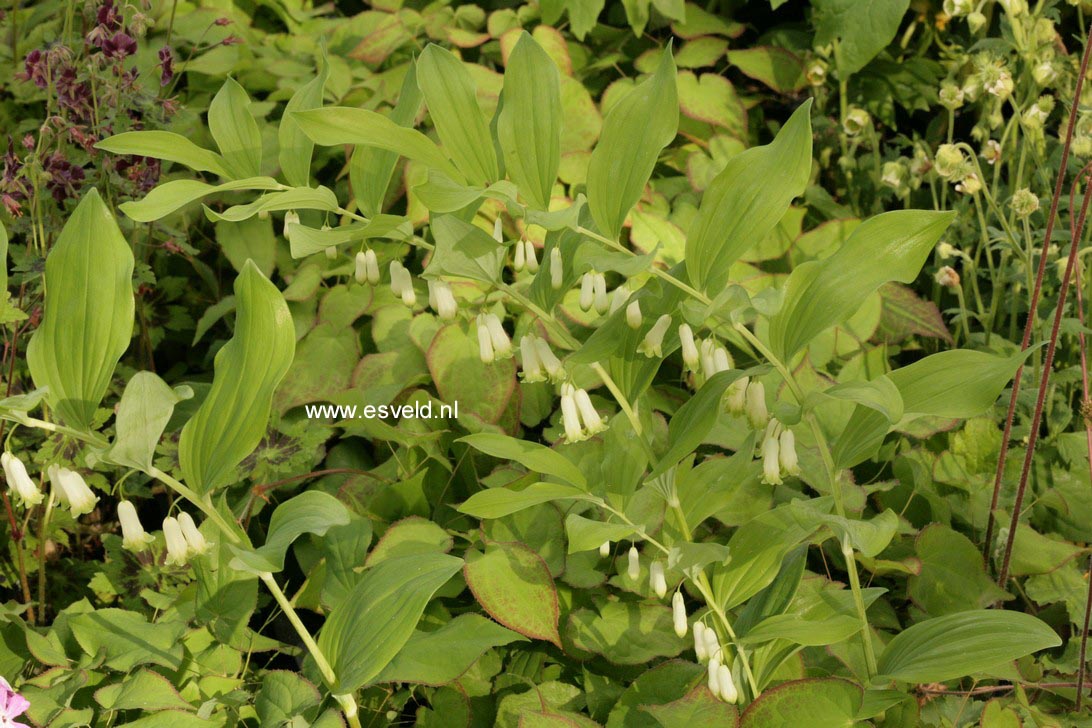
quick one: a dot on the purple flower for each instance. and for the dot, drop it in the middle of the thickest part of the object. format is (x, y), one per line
(12, 705)
(108, 16)
(65, 178)
(166, 65)
(119, 46)
(35, 69)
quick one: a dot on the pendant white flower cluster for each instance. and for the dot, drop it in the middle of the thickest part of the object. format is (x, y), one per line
(578, 414)
(402, 284)
(778, 453)
(539, 361)
(707, 648)
(183, 539)
(593, 292)
(71, 490)
(525, 257)
(19, 483)
(133, 535)
(442, 300)
(367, 268)
(493, 341)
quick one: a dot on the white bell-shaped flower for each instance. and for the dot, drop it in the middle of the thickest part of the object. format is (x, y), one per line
(178, 550)
(787, 453)
(532, 365)
(756, 411)
(678, 614)
(71, 490)
(531, 256)
(587, 291)
(194, 538)
(656, 580)
(19, 483)
(633, 315)
(557, 269)
(652, 345)
(133, 535)
(690, 354)
(633, 564)
(726, 686)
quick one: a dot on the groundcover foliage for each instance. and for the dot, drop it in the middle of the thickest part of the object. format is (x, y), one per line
(566, 363)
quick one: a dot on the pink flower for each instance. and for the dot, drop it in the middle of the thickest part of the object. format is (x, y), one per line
(12, 705)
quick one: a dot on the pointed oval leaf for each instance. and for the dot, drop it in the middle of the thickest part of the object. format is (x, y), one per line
(529, 121)
(500, 502)
(235, 130)
(165, 145)
(176, 194)
(746, 200)
(453, 105)
(513, 584)
(232, 420)
(88, 313)
(375, 621)
(960, 383)
(146, 406)
(531, 455)
(888, 247)
(636, 130)
(955, 645)
(309, 512)
(295, 146)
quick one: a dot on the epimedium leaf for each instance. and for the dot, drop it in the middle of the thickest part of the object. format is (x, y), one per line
(500, 502)
(336, 125)
(363, 635)
(513, 584)
(296, 147)
(440, 657)
(231, 421)
(585, 534)
(635, 131)
(746, 200)
(145, 408)
(464, 250)
(176, 194)
(697, 709)
(309, 512)
(283, 696)
(956, 645)
(127, 639)
(530, 455)
(371, 168)
(827, 702)
(235, 130)
(452, 101)
(959, 383)
(529, 121)
(888, 247)
(625, 633)
(142, 690)
(88, 313)
(169, 147)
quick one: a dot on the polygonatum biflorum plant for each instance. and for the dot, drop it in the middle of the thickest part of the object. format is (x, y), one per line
(645, 504)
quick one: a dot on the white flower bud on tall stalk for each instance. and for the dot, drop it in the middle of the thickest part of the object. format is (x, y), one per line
(557, 269)
(196, 542)
(633, 569)
(531, 256)
(71, 490)
(726, 686)
(485, 344)
(19, 483)
(787, 453)
(133, 535)
(177, 549)
(633, 315)
(678, 614)
(756, 410)
(652, 345)
(656, 580)
(587, 291)
(690, 353)
(602, 302)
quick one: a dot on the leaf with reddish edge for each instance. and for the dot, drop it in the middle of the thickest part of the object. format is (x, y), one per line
(697, 709)
(513, 584)
(906, 314)
(482, 390)
(828, 703)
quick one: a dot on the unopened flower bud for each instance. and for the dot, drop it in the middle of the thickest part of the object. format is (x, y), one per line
(633, 568)
(331, 252)
(361, 272)
(604, 549)
(949, 160)
(194, 539)
(947, 277)
(587, 291)
(398, 281)
(1024, 202)
(656, 579)
(893, 175)
(19, 483)
(531, 256)
(976, 21)
(678, 614)
(498, 230)
(856, 121)
(290, 218)
(727, 687)
(485, 345)
(178, 550)
(771, 466)
(532, 365)
(950, 95)
(602, 302)
(592, 421)
(557, 269)
(690, 353)
(713, 670)
(133, 535)
(787, 453)
(1045, 73)
(570, 417)
(735, 398)
(71, 490)
(633, 315)
(700, 652)
(502, 345)
(550, 362)
(519, 257)
(756, 411)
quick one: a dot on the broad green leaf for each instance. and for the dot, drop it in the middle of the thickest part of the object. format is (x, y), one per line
(297, 198)
(636, 130)
(309, 512)
(88, 313)
(869, 537)
(583, 15)
(757, 547)
(235, 130)
(452, 102)
(801, 631)
(233, 417)
(304, 241)
(959, 383)
(776, 67)
(176, 194)
(370, 168)
(696, 418)
(336, 125)
(165, 145)
(626, 633)
(441, 656)
(284, 696)
(698, 709)
(686, 556)
(827, 702)
(956, 645)
(513, 584)
(295, 146)
(345, 548)
(363, 635)
(530, 455)
(888, 247)
(127, 639)
(464, 250)
(951, 576)
(585, 534)
(252, 239)
(529, 121)
(145, 408)
(500, 502)
(746, 200)
(861, 30)
(413, 535)
(142, 690)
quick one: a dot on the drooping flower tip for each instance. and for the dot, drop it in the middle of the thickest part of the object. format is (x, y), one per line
(652, 345)
(72, 490)
(177, 549)
(19, 482)
(633, 565)
(656, 579)
(678, 614)
(133, 535)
